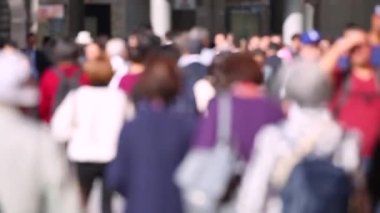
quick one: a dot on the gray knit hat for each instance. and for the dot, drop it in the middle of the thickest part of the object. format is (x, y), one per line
(303, 82)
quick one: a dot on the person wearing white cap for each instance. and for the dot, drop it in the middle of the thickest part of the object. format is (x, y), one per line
(32, 166)
(84, 38)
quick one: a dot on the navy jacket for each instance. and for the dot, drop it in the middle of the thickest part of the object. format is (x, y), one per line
(150, 150)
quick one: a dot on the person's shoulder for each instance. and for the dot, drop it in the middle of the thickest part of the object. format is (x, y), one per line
(269, 136)
(48, 74)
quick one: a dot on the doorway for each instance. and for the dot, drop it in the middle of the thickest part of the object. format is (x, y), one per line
(98, 19)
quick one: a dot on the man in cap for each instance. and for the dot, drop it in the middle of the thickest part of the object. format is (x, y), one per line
(309, 48)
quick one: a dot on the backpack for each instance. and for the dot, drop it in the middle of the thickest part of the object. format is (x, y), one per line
(66, 84)
(317, 186)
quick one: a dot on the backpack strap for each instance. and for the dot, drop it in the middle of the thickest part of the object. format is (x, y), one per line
(344, 93)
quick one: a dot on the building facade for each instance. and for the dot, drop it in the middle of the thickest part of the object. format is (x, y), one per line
(242, 17)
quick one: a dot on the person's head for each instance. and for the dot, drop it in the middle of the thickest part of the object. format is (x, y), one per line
(65, 51)
(140, 45)
(375, 21)
(350, 27)
(304, 83)
(296, 42)
(254, 43)
(194, 47)
(325, 45)
(14, 77)
(116, 47)
(310, 45)
(220, 41)
(93, 51)
(360, 55)
(273, 49)
(8, 44)
(264, 42)
(216, 70)
(201, 34)
(99, 71)
(276, 39)
(230, 38)
(239, 67)
(161, 81)
(84, 38)
(259, 57)
(31, 40)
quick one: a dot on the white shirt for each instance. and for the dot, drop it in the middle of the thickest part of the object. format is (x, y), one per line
(91, 119)
(120, 68)
(203, 92)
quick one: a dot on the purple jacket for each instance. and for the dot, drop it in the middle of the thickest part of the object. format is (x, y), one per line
(248, 116)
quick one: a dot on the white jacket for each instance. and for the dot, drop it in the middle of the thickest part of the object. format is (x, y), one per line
(90, 119)
(259, 193)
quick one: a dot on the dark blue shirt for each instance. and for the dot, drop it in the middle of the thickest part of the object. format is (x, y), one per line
(150, 150)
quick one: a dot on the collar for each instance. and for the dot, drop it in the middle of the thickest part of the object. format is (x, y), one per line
(186, 60)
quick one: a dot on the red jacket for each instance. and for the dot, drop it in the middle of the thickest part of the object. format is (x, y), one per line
(49, 86)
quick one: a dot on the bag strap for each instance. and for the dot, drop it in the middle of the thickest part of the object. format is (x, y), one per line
(285, 165)
(224, 119)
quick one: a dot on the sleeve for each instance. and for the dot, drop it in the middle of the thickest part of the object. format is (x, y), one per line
(205, 133)
(58, 184)
(62, 123)
(256, 180)
(115, 176)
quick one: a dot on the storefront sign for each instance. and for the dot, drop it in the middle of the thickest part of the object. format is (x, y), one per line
(52, 11)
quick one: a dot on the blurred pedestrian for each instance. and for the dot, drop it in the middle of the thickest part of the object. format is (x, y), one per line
(153, 144)
(325, 45)
(251, 109)
(356, 101)
(310, 45)
(35, 177)
(64, 76)
(90, 120)
(141, 44)
(291, 51)
(254, 43)
(203, 35)
(206, 88)
(38, 60)
(259, 56)
(272, 63)
(309, 141)
(117, 53)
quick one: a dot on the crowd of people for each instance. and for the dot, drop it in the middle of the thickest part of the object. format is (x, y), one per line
(187, 124)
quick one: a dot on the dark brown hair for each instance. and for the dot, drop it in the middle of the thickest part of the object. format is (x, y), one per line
(161, 80)
(241, 67)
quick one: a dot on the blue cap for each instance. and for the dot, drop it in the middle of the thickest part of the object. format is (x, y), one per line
(311, 37)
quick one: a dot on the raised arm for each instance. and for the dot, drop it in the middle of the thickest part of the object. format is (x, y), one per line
(352, 38)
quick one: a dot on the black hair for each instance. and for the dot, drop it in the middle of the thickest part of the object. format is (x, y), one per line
(65, 50)
(146, 42)
(274, 46)
(296, 36)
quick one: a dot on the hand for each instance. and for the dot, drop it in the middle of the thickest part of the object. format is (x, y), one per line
(353, 38)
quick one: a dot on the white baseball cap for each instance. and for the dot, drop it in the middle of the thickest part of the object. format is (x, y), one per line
(84, 38)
